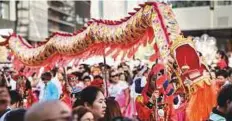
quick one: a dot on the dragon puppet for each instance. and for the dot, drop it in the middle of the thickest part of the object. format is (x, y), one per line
(152, 23)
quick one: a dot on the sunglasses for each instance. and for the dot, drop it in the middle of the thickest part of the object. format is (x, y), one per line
(114, 75)
(73, 78)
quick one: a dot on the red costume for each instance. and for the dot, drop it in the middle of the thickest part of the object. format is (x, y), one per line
(147, 110)
(31, 98)
(222, 64)
(66, 96)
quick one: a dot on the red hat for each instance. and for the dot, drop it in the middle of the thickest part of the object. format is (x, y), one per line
(154, 70)
(71, 77)
(157, 68)
(97, 83)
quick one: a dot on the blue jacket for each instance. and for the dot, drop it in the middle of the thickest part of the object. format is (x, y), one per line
(217, 116)
(50, 92)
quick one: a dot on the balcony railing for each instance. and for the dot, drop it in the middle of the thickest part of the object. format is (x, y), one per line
(182, 4)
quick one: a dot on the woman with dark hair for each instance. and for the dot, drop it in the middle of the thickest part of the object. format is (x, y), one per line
(223, 110)
(25, 89)
(222, 59)
(82, 113)
(93, 99)
(112, 110)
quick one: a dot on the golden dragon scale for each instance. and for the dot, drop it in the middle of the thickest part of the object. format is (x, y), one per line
(152, 22)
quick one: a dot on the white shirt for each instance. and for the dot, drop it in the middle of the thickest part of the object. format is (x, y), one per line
(230, 62)
(116, 89)
(12, 84)
(80, 84)
(132, 88)
(40, 87)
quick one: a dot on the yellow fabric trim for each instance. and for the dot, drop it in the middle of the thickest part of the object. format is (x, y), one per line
(139, 99)
(199, 83)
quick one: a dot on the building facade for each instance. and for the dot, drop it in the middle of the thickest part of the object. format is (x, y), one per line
(7, 17)
(82, 9)
(206, 17)
(194, 17)
(39, 19)
(61, 16)
(36, 20)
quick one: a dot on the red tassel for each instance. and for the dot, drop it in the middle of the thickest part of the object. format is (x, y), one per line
(135, 50)
(129, 55)
(155, 47)
(90, 22)
(111, 50)
(142, 5)
(131, 13)
(109, 22)
(150, 33)
(24, 42)
(116, 54)
(144, 39)
(113, 22)
(105, 21)
(93, 19)
(122, 19)
(99, 50)
(126, 18)
(101, 21)
(149, 3)
(154, 57)
(123, 56)
(98, 21)
(136, 9)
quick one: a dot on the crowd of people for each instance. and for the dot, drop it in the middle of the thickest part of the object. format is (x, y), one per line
(96, 92)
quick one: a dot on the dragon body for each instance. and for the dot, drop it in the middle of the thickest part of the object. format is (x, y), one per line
(152, 22)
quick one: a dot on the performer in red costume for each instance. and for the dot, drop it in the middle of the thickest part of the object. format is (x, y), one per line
(67, 90)
(66, 95)
(31, 98)
(155, 103)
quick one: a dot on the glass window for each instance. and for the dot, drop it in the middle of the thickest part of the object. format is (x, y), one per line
(224, 2)
(4, 10)
(181, 4)
(101, 9)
